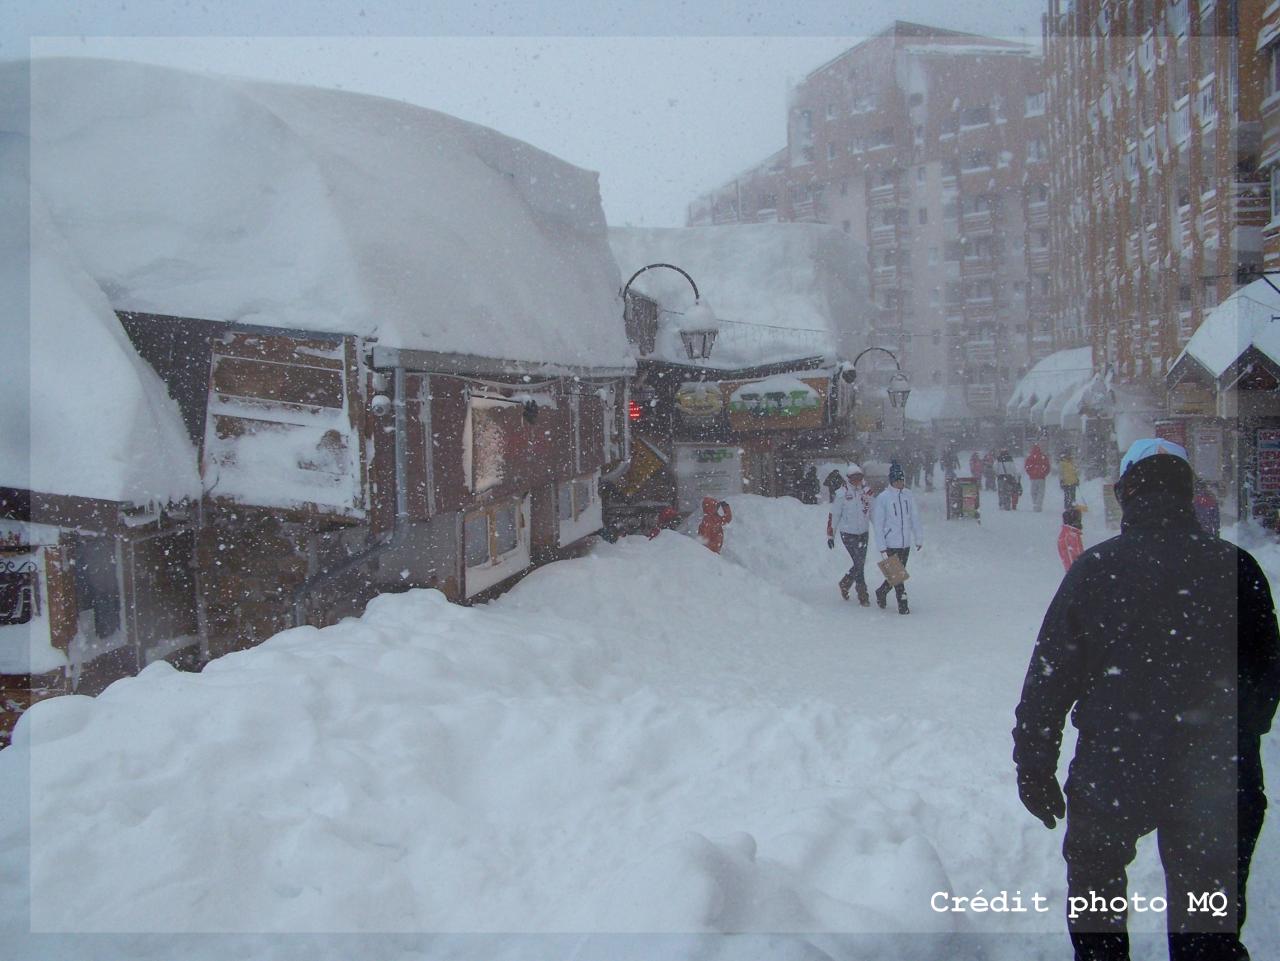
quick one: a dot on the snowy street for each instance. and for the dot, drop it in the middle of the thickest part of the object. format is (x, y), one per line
(644, 744)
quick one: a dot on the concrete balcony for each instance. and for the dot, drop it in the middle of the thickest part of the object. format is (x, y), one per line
(1038, 214)
(977, 267)
(1039, 259)
(810, 212)
(885, 195)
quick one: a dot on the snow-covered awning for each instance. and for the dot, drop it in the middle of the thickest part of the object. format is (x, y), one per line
(1046, 389)
(781, 292)
(204, 196)
(1247, 319)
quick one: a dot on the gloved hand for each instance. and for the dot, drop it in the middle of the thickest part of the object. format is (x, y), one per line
(1041, 795)
(919, 548)
(831, 543)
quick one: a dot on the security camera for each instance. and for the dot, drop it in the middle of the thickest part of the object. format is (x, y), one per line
(380, 404)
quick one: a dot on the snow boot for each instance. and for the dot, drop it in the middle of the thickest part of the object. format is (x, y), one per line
(882, 595)
(845, 583)
(902, 605)
(863, 598)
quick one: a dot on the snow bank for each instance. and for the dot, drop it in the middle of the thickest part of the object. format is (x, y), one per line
(780, 291)
(1243, 319)
(207, 196)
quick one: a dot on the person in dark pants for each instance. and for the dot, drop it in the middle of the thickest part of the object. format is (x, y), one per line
(850, 518)
(897, 526)
(1162, 643)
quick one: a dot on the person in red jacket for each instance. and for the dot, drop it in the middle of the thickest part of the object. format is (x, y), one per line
(669, 519)
(1070, 538)
(715, 514)
(1037, 468)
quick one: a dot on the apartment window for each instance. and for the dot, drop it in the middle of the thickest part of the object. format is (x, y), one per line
(915, 100)
(953, 250)
(1208, 108)
(923, 215)
(976, 159)
(1275, 191)
(807, 154)
(1035, 149)
(1039, 194)
(831, 111)
(882, 137)
(844, 188)
(1273, 69)
(1035, 104)
(846, 226)
(933, 251)
(1040, 239)
(1042, 284)
(831, 151)
(887, 178)
(919, 175)
(806, 124)
(857, 144)
(975, 116)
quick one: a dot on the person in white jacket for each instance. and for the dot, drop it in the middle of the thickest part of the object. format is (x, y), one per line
(897, 525)
(850, 517)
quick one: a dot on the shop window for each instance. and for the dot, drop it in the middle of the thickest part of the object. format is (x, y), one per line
(506, 529)
(19, 591)
(97, 586)
(477, 538)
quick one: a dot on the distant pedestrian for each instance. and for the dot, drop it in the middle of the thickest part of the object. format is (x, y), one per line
(809, 486)
(912, 467)
(1008, 482)
(1037, 469)
(1070, 538)
(950, 464)
(930, 459)
(975, 467)
(715, 515)
(989, 470)
(897, 526)
(850, 518)
(1205, 505)
(1068, 478)
(669, 519)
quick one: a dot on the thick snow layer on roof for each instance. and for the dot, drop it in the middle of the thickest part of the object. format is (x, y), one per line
(780, 291)
(83, 415)
(206, 196)
(1061, 372)
(1244, 319)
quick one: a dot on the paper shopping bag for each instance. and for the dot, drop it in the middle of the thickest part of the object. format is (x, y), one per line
(893, 570)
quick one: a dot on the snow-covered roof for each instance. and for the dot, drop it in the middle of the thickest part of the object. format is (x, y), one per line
(781, 291)
(83, 414)
(1061, 373)
(1242, 320)
(228, 199)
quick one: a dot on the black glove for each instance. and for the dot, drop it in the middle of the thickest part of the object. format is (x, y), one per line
(723, 505)
(831, 543)
(1041, 795)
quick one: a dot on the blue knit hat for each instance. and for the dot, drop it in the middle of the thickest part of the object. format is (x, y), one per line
(896, 473)
(1150, 447)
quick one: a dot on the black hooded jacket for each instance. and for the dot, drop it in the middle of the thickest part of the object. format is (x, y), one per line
(1160, 641)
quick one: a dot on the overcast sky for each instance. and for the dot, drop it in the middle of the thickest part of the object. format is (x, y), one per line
(664, 99)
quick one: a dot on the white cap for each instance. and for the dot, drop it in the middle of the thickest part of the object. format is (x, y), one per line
(853, 469)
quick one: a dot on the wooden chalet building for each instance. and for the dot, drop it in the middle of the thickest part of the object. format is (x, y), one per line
(375, 384)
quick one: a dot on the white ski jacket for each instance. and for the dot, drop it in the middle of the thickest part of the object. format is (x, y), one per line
(850, 511)
(896, 520)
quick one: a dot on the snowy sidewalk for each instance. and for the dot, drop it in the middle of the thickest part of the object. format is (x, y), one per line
(648, 739)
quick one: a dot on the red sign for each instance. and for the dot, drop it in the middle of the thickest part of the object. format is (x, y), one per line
(1269, 460)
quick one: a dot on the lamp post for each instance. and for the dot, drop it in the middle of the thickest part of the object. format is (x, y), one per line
(899, 388)
(698, 325)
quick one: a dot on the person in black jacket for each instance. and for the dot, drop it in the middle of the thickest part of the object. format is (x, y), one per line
(1162, 643)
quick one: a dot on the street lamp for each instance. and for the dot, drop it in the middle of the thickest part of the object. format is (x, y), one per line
(899, 388)
(697, 326)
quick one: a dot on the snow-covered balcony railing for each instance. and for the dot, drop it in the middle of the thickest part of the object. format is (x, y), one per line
(978, 265)
(884, 235)
(1252, 205)
(767, 215)
(883, 195)
(1038, 214)
(980, 396)
(1039, 259)
(885, 273)
(978, 221)
(980, 352)
(810, 212)
(1186, 235)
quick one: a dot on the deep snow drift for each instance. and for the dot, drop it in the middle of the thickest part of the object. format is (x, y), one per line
(651, 739)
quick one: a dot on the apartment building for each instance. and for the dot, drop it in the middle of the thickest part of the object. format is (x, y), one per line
(1267, 48)
(1159, 199)
(930, 147)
